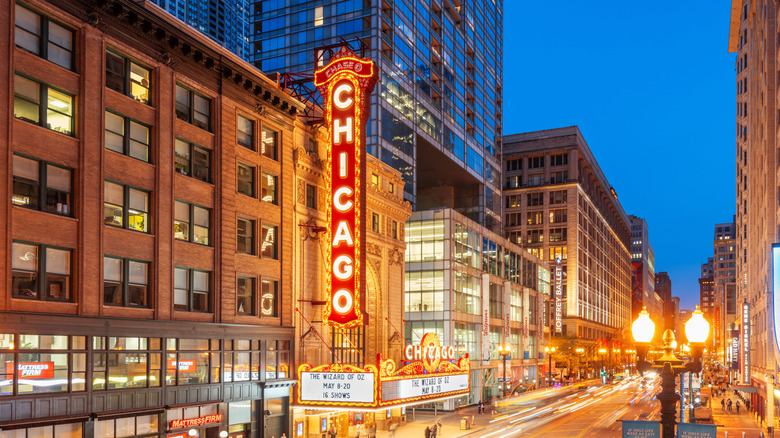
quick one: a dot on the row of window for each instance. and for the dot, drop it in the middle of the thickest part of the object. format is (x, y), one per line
(35, 364)
(556, 216)
(536, 199)
(43, 272)
(537, 162)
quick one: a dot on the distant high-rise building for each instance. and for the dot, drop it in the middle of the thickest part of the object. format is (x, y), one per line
(643, 277)
(663, 289)
(558, 203)
(226, 22)
(707, 293)
(727, 311)
(436, 113)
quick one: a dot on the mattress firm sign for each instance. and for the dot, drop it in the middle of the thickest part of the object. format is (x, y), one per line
(337, 387)
(423, 387)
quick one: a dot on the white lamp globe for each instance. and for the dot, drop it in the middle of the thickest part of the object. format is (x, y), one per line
(643, 329)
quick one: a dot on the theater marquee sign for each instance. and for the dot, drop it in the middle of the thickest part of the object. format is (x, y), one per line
(345, 84)
(431, 372)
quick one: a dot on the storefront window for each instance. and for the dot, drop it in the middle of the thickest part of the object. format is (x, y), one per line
(137, 427)
(125, 363)
(70, 430)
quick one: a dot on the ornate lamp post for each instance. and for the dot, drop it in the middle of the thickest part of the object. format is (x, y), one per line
(602, 352)
(580, 352)
(643, 329)
(505, 351)
(549, 351)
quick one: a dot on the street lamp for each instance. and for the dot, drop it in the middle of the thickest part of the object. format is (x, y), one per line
(602, 352)
(643, 329)
(549, 351)
(580, 352)
(504, 351)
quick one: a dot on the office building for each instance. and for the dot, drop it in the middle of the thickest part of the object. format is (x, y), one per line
(752, 36)
(727, 311)
(643, 274)
(559, 204)
(436, 113)
(707, 295)
(460, 276)
(149, 264)
(663, 289)
(226, 22)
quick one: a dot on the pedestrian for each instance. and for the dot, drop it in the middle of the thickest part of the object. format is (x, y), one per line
(728, 405)
(723, 404)
(428, 432)
(357, 430)
(738, 406)
(332, 431)
(481, 407)
(438, 427)
(392, 428)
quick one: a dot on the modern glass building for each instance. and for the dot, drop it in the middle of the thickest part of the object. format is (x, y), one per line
(477, 291)
(226, 22)
(436, 115)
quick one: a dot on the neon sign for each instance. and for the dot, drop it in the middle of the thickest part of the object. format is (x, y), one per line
(558, 296)
(345, 84)
(746, 343)
(32, 370)
(776, 292)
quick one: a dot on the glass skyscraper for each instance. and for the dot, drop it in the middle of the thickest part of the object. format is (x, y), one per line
(436, 114)
(226, 22)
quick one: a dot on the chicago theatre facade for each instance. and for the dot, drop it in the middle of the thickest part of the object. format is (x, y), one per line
(148, 228)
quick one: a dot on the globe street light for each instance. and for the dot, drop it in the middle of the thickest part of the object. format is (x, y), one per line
(602, 352)
(643, 329)
(504, 351)
(549, 351)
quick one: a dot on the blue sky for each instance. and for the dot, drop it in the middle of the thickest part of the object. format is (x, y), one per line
(652, 90)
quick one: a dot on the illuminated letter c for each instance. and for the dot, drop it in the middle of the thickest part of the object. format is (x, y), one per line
(341, 206)
(338, 101)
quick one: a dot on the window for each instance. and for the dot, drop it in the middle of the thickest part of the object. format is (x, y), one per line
(42, 186)
(245, 134)
(245, 231)
(535, 199)
(122, 201)
(192, 160)
(513, 219)
(268, 247)
(558, 234)
(391, 187)
(394, 231)
(535, 218)
(535, 162)
(41, 272)
(559, 176)
(535, 236)
(127, 136)
(39, 35)
(514, 165)
(193, 108)
(191, 290)
(558, 216)
(120, 363)
(312, 147)
(268, 297)
(374, 222)
(535, 179)
(125, 282)
(559, 159)
(191, 223)
(246, 179)
(375, 180)
(56, 115)
(268, 188)
(268, 146)
(245, 296)
(558, 197)
(127, 77)
(557, 251)
(311, 196)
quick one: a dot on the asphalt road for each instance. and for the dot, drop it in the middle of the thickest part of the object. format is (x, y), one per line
(593, 411)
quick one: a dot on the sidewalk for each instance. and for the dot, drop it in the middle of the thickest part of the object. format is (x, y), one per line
(735, 423)
(417, 422)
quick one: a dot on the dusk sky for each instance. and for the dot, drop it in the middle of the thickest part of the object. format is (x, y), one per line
(652, 90)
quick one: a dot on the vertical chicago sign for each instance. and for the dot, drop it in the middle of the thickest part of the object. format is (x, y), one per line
(345, 84)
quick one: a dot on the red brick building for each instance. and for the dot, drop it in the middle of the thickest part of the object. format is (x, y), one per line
(146, 228)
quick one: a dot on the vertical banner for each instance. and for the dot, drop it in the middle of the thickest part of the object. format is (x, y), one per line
(746, 343)
(735, 350)
(507, 313)
(485, 318)
(716, 327)
(345, 85)
(558, 296)
(776, 294)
